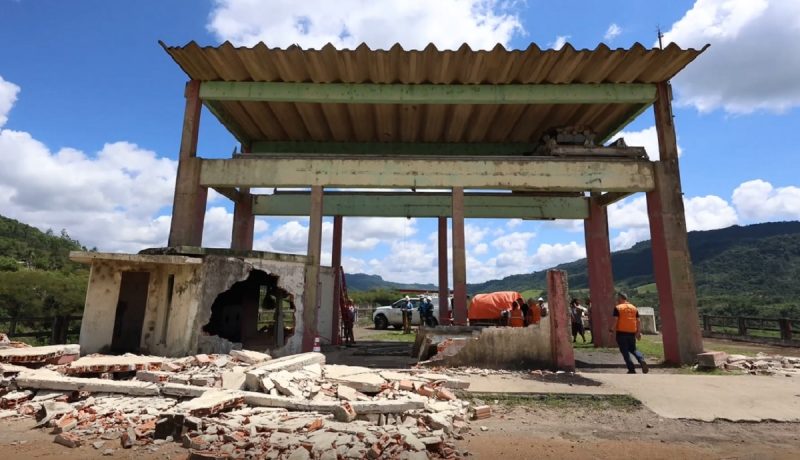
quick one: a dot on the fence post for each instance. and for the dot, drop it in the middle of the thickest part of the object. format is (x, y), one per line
(785, 325)
(706, 323)
(742, 326)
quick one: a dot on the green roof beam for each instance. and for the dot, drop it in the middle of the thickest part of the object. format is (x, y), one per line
(371, 93)
(373, 204)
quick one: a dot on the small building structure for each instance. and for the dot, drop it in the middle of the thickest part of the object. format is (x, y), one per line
(180, 301)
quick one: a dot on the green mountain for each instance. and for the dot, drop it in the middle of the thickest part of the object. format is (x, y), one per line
(739, 270)
(364, 282)
(37, 279)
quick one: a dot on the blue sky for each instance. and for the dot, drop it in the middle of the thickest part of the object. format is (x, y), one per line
(91, 109)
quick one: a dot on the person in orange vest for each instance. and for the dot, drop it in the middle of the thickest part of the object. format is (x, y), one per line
(628, 329)
(516, 318)
(534, 311)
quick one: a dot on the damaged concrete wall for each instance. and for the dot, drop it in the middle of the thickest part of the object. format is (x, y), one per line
(99, 312)
(325, 314)
(507, 348)
(172, 328)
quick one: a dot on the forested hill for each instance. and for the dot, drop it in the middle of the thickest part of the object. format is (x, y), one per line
(364, 282)
(759, 259)
(36, 276)
(753, 269)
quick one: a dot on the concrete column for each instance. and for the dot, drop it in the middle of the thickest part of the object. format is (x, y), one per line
(601, 278)
(459, 260)
(560, 337)
(311, 288)
(444, 291)
(672, 264)
(336, 263)
(243, 221)
(189, 202)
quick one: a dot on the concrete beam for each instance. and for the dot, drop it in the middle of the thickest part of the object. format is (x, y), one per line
(371, 93)
(601, 276)
(532, 173)
(311, 294)
(444, 291)
(459, 259)
(407, 204)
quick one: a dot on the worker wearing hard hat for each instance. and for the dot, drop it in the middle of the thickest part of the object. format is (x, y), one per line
(534, 311)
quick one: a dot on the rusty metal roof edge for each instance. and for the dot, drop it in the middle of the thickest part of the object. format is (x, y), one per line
(432, 47)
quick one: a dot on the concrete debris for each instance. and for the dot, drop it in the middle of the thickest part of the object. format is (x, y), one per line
(250, 357)
(711, 359)
(297, 406)
(96, 364)
(761, 364)
(37, 355)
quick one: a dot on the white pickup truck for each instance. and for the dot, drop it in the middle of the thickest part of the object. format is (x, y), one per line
(392, 314)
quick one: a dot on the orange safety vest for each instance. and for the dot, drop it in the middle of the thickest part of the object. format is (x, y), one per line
(536, 313)
(516, 319)
(626, 317)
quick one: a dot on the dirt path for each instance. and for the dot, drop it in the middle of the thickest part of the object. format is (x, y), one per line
(580, 431)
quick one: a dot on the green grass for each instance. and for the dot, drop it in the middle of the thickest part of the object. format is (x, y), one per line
(393, 336)
(647, 289)
(560, 401)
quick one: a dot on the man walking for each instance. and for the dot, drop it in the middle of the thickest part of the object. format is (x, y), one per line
(628, 328)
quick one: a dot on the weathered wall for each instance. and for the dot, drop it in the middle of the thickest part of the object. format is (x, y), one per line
(325, 314)
(507, 348)
(290, 279)
(173, 330)
(97, 326)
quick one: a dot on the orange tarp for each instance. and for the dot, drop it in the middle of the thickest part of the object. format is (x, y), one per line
(489, 306)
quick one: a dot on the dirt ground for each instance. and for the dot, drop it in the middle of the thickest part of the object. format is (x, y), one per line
(565, 430)
(576, 432)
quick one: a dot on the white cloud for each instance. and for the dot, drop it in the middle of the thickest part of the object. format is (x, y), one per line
(513, 223)
(628, 213)
(568, 225)
(612, 32)
(560, 41)
(110, 199)
(550, 255)
(480, 249)
(630, 217)
(708, 213)
(647, 138)
(758, 200)
(8, 95)
(365, 233)
(347, 23)
(752, 63)
(627, 238)
(513, 242)
(474, 234)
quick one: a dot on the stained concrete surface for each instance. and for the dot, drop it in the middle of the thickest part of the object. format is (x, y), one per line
(675, 396)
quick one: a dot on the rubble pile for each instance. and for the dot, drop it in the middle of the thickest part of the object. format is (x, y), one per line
(763, 364)
(239, 405)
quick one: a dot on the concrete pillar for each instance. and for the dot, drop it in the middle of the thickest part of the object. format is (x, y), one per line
(189, 202)
(336, 263)
(601, 278)
(311, 288)
(243, 221)
(459, 260)
(672, 264)
(444, 291)
(560, 337)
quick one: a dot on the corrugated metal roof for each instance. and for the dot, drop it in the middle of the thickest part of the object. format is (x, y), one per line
(282, 121)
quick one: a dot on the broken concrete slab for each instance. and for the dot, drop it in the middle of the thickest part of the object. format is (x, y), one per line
(386, 406)
(210, 403)
(446, 380)
(125, 363)
(35, 355)
(67, 439)
(180, 390)
(152, 376)
(287, 363)
(350, 394)
(233, 380)
(40, 380)
(249, 356)
(711, 359)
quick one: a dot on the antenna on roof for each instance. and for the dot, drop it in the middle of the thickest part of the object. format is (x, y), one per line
(660, 36)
